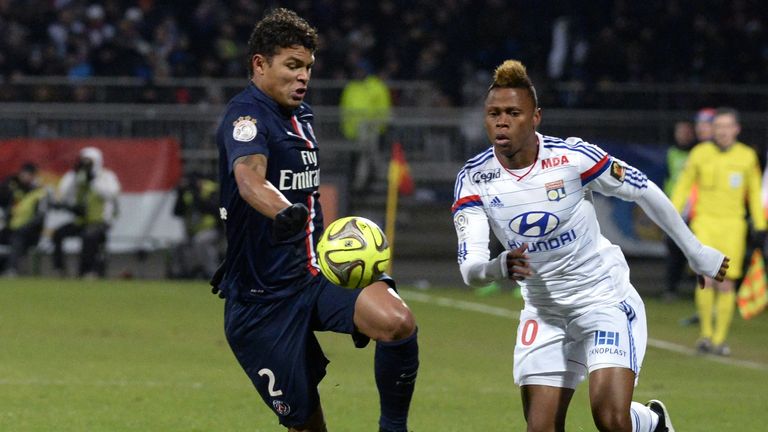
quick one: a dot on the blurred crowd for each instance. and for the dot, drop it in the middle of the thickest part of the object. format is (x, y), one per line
(453, 45)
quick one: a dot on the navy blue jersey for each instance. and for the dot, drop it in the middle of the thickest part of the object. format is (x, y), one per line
(259, 269)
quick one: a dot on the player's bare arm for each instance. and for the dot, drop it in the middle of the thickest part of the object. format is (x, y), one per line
(250, 174)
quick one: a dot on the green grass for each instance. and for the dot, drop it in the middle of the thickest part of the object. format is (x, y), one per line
(151, 356)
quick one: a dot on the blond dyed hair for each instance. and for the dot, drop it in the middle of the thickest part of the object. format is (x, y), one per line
(512, 74)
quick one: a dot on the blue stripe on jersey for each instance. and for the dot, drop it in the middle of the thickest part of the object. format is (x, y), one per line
(596, 170)
(587, 149)
(630, 312)
(636, 178)
(472, 163)
(482, 157)
(459, 183)
(576, 149)
(637, 175)
(467, 201)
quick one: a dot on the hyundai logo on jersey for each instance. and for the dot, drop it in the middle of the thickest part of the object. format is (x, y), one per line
(534, 224)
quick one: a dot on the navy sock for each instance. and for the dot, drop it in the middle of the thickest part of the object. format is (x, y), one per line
(396, 365)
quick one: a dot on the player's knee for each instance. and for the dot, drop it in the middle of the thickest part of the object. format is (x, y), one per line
(400, 324)
(612, 421)
(544, 423)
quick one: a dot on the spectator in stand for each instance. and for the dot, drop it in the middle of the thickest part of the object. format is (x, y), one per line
(654, 41)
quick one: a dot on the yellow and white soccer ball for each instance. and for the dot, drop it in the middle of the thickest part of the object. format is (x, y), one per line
(353, 252)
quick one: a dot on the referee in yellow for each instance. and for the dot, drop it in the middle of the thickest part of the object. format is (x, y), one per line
(727, 175)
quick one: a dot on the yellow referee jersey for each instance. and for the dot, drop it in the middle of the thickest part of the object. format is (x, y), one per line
(727, 181)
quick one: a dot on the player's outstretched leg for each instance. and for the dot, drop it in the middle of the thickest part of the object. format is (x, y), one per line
(381, 314)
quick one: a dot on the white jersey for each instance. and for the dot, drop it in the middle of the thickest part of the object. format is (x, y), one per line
(548, 207)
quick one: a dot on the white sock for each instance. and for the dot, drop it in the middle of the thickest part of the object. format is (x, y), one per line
(643, 419)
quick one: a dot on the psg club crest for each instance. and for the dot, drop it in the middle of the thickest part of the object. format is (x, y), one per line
(555, 190)
(281, 407)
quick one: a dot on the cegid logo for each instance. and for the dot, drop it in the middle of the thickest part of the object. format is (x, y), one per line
(534, 224)
(486, 176)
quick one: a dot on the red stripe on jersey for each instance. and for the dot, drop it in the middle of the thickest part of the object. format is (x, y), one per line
(598, 166)
(299, 130)
(311, 255)
(465, 200)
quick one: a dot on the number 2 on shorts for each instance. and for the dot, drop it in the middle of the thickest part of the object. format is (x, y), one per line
(271, 385)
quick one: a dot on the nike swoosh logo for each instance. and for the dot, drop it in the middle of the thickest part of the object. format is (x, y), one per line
(293, 134)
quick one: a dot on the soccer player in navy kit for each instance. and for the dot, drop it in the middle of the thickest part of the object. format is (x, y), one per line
(275, 294)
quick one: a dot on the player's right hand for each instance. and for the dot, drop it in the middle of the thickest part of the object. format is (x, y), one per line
(290, 221)
(518, 267)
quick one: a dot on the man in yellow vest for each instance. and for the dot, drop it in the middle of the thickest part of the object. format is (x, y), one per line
(88, 191)
(25, 202)
(365, 109)
(197, 203)
(726, 173)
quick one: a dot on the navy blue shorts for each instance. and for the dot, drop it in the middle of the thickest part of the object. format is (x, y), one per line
(277, 348)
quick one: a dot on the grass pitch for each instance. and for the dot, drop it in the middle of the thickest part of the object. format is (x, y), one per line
(151, 356)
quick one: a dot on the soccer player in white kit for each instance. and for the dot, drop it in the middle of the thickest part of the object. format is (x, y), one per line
(582, 317)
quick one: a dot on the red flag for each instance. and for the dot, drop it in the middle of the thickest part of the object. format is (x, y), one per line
(399, 172)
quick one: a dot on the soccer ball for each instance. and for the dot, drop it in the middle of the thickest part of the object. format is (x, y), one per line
(353, 252)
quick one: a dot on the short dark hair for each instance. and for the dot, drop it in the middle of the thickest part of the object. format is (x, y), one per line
(728, 111)
(280, 28)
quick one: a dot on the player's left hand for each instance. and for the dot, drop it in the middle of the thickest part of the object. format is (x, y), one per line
(518, 267)
(290, 221)
(216, 279)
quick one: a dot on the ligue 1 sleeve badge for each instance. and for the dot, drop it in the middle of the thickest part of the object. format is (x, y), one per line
(244, 129)
(618, 171)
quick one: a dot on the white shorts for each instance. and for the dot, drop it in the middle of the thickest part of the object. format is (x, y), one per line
(560, 352)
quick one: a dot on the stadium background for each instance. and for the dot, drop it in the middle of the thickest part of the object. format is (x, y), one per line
(615, 73)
